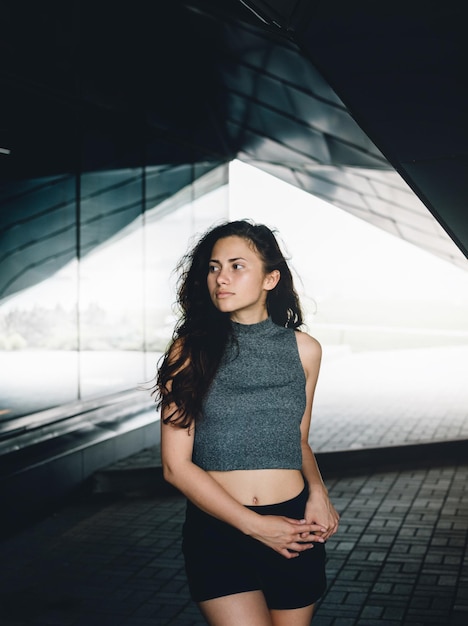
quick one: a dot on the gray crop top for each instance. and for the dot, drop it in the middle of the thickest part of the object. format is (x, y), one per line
(253, 409)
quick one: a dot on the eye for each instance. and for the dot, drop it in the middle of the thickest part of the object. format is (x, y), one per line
(237, 266)
(212, 269)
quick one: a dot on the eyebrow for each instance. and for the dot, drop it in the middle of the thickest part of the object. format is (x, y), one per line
(237, 258)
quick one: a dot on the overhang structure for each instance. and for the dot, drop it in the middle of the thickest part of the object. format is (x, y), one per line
(362, 104)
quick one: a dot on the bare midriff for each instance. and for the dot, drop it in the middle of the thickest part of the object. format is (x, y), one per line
(260, 487)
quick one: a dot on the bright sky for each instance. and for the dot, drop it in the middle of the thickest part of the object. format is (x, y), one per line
(333, 251)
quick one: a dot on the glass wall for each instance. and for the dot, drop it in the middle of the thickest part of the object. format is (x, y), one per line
(86, 287)
(38, 295)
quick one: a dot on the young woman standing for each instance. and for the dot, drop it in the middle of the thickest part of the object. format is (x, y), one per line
(235, 388)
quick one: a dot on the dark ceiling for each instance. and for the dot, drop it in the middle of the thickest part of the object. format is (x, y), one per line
(363, 103)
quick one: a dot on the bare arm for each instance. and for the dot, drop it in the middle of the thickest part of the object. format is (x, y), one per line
(319, 508)
(196, 484)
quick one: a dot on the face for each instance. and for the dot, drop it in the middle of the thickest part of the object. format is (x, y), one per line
(237, 282)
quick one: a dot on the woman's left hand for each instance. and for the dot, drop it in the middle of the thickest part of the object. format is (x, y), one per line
(320, 510)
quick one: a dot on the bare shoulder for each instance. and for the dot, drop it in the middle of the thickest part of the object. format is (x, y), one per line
(310, 353)
(308, 346)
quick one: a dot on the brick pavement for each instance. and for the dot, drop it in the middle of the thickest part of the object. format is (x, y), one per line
(399, 397)
(400, 557)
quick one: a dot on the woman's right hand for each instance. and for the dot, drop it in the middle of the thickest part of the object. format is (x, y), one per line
(285, 535)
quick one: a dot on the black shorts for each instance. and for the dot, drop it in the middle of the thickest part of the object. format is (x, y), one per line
(220, 560)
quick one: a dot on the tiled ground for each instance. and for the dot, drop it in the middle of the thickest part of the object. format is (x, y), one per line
(400, 557)
(373, 399)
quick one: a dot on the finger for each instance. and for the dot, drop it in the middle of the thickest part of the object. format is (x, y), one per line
(301, 546)
(288, 554)
(315, 530)
(307, 527)
(293, 520)
(314, 536)
(305, 539)
(330, 531)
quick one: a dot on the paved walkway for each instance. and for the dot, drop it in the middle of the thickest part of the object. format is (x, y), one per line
(374, 399)
(400, 557)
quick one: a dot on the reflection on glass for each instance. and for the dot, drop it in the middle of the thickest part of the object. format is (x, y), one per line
(167, 238)
(38, 295)
(38, 346)
(80, 324)
(111, 282)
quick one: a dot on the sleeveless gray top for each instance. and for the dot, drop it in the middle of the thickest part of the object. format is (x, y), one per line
(253, 409)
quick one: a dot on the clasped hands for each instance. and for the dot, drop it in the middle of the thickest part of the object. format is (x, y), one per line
(287, 536)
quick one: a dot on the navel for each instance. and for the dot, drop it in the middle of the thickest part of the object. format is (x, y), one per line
(255, 500)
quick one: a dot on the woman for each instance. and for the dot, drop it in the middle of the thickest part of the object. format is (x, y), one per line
(235, 390)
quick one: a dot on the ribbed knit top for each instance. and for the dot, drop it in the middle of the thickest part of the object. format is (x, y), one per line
(253, 409)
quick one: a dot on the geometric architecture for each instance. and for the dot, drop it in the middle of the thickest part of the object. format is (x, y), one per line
(363, 108)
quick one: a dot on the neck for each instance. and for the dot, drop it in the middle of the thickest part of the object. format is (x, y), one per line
(249, 317)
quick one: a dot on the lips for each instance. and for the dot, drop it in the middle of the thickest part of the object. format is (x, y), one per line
(223, 294)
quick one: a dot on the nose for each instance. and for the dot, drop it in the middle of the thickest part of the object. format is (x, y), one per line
(222, 277)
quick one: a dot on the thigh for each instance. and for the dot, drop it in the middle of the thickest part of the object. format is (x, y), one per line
(246, 609)
(293, 617)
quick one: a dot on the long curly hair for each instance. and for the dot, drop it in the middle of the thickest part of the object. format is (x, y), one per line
(203, 332)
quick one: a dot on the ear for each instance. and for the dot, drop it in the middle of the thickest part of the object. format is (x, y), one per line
(271, 280)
